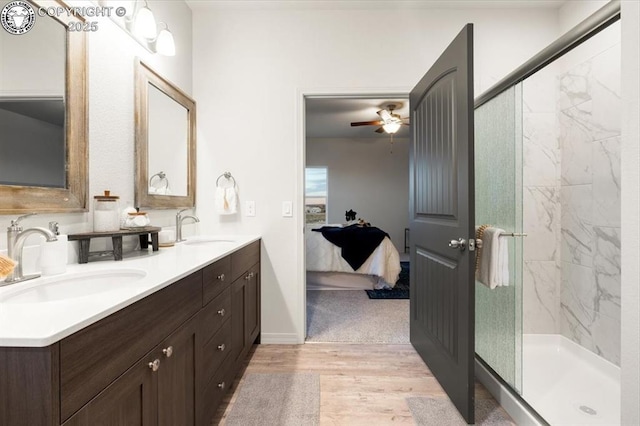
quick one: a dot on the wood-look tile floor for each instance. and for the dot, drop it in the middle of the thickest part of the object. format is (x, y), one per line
(360, 384)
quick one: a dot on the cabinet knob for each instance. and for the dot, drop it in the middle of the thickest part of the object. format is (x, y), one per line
(222, 347)
(221, 277)
(249, 276)
(154, 365)
(221, 312)
(168, 351)
(221, 385)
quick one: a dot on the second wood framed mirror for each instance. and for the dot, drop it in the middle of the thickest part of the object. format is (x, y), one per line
(165, 121)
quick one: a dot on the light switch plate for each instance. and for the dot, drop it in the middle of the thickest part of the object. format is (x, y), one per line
(287, 209)
(250, 208)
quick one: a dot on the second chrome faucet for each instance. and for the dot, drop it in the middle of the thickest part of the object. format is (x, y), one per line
(179, 220)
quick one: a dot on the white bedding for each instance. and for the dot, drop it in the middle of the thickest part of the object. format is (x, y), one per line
(323, 256)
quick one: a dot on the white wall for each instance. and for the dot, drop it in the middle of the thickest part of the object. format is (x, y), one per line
(364, 175)
(630, 164)
(111, 94)
(251, 69)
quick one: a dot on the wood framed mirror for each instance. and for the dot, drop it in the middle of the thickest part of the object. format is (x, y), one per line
(43, 116)
(165, 120)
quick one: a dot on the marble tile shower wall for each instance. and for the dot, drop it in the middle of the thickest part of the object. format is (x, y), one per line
(571, 197)
(541, 200)
(589, 126)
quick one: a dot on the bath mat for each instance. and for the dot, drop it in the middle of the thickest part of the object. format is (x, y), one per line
(441, 411)
(277, 399)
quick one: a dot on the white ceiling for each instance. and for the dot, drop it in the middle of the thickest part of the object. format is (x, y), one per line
(374, 4)
(332, 117)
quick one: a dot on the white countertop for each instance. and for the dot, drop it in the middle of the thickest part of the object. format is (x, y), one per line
(39, 324)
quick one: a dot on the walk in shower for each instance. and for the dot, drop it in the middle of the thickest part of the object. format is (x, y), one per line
(548, 167)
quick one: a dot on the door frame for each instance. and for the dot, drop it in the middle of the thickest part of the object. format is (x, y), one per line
(302, 95)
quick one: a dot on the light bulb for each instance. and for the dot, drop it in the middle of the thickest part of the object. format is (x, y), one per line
(165, 44)
(145, 24)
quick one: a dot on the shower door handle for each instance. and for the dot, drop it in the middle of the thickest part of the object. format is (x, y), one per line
(460, 243)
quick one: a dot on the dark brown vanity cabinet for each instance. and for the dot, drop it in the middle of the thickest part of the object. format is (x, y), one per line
(167, 359)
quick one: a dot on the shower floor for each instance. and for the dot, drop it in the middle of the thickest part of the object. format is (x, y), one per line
(567, 384)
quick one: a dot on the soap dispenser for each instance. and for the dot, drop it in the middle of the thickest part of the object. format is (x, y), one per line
(54, 254)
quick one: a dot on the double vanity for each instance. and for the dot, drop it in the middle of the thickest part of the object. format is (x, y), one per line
(150, 340)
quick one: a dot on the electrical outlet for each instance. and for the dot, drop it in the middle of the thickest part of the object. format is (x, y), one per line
(250, 208)
(287, 209)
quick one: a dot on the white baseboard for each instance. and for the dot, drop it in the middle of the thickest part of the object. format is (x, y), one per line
(280, 339)
(505, 397)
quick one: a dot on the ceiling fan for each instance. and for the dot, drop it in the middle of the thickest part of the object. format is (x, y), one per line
(389, 122)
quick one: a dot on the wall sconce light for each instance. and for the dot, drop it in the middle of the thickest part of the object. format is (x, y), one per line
(140, 23)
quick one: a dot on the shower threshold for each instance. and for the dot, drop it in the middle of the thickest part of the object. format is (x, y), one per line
(568, 384)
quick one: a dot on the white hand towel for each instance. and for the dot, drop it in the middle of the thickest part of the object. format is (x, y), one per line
(226, 200)
(493, 270)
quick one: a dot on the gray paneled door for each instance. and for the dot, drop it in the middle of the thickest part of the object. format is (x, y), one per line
(442, 221)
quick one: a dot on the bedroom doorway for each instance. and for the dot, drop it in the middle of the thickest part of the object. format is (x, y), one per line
(356, 173)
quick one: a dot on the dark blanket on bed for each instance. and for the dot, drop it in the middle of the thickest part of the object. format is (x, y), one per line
(357, 242)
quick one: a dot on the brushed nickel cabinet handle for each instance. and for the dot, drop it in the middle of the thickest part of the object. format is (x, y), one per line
(154, 365)
(221, 277)
(249, 276)
(222, 347)
(221, 312)
(221, 385)
(168, 351)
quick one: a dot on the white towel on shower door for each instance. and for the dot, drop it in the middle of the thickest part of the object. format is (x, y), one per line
(493, 270)
(226, 200)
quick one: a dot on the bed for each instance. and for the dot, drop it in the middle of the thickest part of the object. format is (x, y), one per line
(327, 269)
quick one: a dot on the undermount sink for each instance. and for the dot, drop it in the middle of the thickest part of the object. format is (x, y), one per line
(208, 240)
(74, 285)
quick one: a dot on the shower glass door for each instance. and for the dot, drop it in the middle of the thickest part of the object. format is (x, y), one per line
(498, 178)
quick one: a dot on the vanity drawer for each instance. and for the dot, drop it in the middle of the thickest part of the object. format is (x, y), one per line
(244, 259)
(216, 277)
(96, 355)
(216, 389)
(214, 314)
(215, 351)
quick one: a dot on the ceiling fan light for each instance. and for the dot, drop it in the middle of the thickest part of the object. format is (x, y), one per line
(392, 127)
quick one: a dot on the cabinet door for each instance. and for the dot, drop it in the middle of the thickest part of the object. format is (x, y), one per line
(252, 305)
(245, 308)
(238, 339)
(129, 401)
(176, 377)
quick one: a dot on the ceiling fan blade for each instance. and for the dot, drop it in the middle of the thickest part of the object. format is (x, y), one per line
(379, 130)
(367, 123)
(384, 114)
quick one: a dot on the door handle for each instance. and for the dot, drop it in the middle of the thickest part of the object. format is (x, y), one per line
(460, 243)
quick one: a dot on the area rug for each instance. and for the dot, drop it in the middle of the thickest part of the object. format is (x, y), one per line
(399, 291)
(277, 399)
(349, 316)
(441, 411)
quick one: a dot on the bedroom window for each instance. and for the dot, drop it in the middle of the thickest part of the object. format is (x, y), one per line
(315, 194)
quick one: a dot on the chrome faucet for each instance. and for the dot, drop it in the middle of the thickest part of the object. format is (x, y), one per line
(16, 238)
(179, 220)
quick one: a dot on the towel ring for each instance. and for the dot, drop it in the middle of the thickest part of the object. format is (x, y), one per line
(227, 176)
(162, 180)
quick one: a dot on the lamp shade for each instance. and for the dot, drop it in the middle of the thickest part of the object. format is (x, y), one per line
(165, 44)
(145, 23)
(392, 126)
